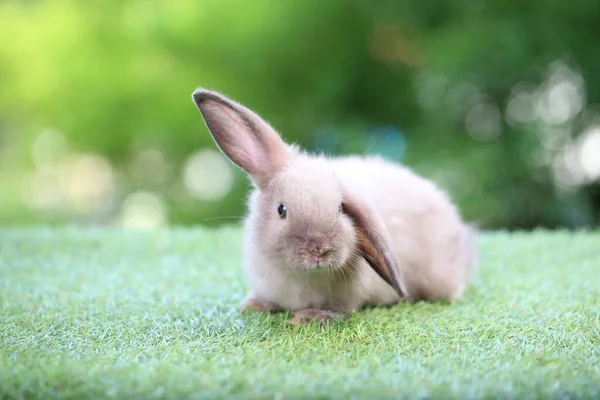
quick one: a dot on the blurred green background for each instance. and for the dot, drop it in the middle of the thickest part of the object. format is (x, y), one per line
(497, 101)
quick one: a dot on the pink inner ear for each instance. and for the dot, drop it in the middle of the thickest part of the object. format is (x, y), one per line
(243, 136)
(248, 160)
(234, 137)
(237, 124)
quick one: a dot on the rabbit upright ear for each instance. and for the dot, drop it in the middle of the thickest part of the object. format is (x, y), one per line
(373, 241)
(243, 136)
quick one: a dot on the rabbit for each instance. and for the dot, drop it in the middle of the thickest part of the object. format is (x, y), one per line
(327, 236)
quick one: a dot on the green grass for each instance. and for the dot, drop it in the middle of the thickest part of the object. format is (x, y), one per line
(154, 315)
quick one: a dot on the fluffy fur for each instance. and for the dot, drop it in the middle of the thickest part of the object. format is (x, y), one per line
(311, 262)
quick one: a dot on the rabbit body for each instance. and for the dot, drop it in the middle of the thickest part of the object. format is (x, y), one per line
(434, 249)
(334, 234)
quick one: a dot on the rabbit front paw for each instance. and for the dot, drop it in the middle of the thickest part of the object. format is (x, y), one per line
(254, 303)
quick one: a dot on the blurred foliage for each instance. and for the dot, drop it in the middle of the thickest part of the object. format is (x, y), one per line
(429, 84)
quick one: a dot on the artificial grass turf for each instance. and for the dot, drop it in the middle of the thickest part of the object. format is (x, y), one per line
(99, 313)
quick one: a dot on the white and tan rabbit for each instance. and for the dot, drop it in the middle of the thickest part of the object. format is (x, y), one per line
(325, 236)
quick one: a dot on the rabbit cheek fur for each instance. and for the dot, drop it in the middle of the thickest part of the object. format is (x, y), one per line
(280, 271)
(331, 235)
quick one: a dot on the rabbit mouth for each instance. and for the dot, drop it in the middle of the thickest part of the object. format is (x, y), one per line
(316, 262)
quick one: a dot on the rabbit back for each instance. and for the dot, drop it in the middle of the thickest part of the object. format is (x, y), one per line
(434, 248)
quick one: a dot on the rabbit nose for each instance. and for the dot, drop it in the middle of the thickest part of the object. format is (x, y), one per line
(318, 250)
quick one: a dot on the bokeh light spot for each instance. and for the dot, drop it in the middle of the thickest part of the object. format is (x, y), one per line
(48, 148)
(484, 122)
(562, 97)
(143, 211)
(86, 181)
(208, 175)
(589, 153)
(430, 88)
(461, 97)
(148, 166)
(566, 169)
(553, 137)
(520, 107)
(387, 141)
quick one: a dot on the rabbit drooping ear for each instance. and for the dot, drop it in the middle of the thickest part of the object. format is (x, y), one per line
(373, 241)
(244, 137)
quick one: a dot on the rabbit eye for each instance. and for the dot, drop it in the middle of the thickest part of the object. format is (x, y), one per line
(282, 211)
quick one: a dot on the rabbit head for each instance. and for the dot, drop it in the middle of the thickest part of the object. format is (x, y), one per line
(305, 218)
